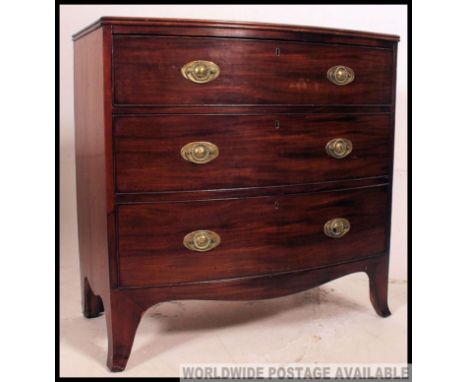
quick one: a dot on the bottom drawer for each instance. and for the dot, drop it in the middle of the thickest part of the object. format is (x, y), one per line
(256, 235)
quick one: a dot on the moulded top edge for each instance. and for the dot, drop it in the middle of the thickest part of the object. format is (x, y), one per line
(141, 21)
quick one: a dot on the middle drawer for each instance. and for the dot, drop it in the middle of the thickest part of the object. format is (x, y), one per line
(247, 150)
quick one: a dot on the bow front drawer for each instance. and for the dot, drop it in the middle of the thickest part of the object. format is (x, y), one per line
(150, 70)
(166, 243)
(200, 152)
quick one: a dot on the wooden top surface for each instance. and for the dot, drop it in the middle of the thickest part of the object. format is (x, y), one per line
(143, 21)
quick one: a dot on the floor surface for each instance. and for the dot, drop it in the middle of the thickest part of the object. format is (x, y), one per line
(334, 323)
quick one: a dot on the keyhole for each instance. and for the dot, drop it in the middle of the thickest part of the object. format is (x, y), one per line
(276, 205)
(278, 51)
(277, 124)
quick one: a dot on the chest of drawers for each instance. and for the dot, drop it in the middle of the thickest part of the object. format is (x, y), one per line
(228, 161)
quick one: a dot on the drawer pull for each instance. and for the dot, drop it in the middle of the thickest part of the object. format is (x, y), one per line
(201, 240)
(199, 152)
(339, 148)
(340, 75)
(200, 71)
(337, 227)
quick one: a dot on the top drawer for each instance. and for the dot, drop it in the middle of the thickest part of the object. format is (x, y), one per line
(147, 71)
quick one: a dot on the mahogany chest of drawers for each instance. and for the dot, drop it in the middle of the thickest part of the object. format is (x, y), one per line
(228, 161)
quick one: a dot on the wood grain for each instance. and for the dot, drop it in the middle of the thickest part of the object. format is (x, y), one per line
(249, 109)
(258, 235)
(191, 27)
(240, 193)
(258, 287)
(253, 152)
(147, 71)
(91, 172)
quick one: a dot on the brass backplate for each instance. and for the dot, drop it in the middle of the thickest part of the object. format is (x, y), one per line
(339, 148)
(337, 227)
(340, 75)
(201, 240)
(199, 152)
(200, 71)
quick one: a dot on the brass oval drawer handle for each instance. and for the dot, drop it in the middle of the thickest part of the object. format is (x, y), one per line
(339, 148)
(337, 227)
(200, 71)
(340, 75)
(199, 152)
(201, 240)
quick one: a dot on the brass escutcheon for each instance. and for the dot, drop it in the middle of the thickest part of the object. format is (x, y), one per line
(340, 75)
(201, 240)
(339, 148)
(199, 152)
(337, 227)
(200, 71)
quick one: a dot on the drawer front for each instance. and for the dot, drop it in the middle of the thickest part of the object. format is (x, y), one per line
(253, 150)
(257, 235)
(147, 70)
